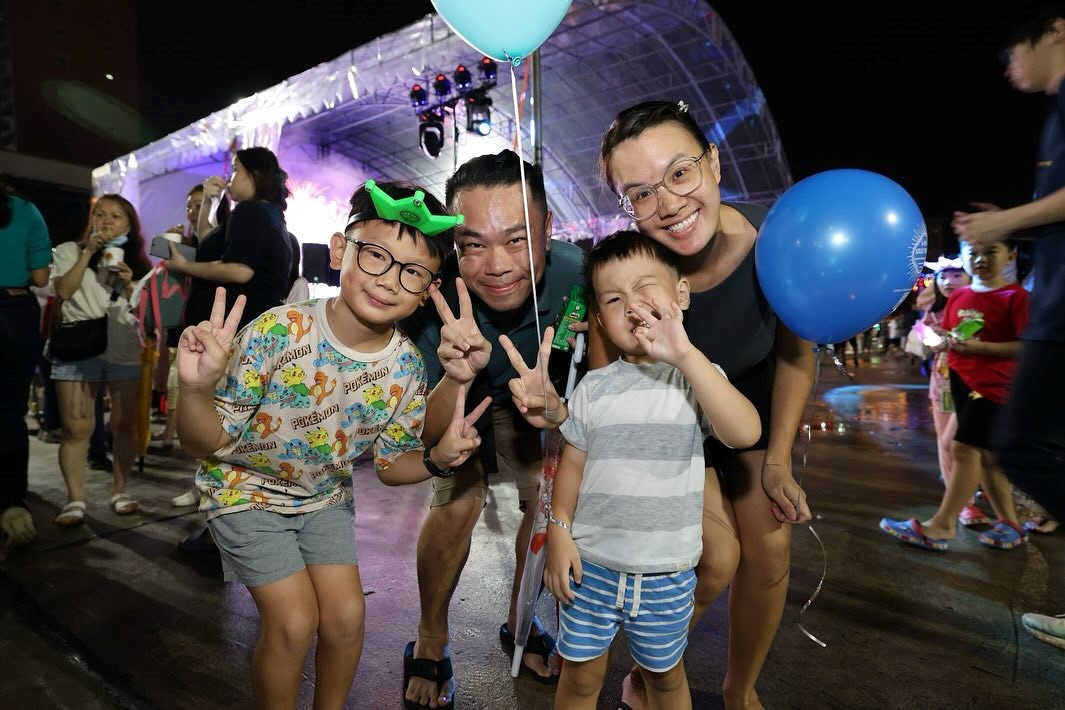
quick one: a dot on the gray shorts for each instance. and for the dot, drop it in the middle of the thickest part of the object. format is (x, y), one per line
(259, 546)
(95, 369)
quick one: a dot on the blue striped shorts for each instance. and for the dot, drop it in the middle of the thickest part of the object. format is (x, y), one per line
(653, 609)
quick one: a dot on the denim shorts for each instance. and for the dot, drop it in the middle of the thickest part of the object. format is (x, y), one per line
(653, 609)
(259, 546)
(95, 369)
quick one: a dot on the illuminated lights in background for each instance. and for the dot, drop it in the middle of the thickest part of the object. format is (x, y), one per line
(463, 78)
(448, 95)
(313, 217)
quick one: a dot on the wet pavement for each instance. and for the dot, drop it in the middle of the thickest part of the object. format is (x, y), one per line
(113, 615)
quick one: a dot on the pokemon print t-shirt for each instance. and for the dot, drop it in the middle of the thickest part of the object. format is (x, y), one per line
(300, 407)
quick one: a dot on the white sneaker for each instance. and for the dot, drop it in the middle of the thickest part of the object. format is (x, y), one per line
(185, 499)
(1050, 629)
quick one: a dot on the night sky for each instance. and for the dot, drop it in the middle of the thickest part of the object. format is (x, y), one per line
(913, 91)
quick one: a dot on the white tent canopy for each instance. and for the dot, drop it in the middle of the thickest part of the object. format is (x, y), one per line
(351, 118)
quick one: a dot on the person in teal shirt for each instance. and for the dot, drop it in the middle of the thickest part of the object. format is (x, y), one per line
(25, 254)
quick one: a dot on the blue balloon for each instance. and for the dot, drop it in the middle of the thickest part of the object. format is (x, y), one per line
(839, 251)
(505, 30)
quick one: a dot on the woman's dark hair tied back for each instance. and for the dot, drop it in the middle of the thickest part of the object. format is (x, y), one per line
(634, 120)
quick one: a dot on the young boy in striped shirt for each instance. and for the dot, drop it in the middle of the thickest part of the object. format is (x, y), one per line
(627, 508)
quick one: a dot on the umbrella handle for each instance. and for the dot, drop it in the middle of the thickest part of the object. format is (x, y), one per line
(516, 662)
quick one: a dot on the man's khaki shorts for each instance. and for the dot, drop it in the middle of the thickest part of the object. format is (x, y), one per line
(518, 456)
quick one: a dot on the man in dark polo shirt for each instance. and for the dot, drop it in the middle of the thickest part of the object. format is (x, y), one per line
(1031, 431)
(494, 298)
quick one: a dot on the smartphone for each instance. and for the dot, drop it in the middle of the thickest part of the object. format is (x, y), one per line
(161, 248)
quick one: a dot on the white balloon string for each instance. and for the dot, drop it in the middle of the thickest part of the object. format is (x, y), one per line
(528, 229)
(840, 365)
(819, 349)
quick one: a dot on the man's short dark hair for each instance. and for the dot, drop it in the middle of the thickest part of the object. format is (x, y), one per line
(1035, 25)
(625, 245)
(500, 170)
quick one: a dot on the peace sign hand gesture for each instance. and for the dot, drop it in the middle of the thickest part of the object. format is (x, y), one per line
(461, 438)
(532, 391)
(463, 351)
(203, 350)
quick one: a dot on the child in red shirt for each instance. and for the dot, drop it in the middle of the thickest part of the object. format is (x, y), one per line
(981, 369)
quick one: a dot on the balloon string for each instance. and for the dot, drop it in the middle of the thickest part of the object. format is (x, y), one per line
(840, 365)
(807, 440)
(528, 229)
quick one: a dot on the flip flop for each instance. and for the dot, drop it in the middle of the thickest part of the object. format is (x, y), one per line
(438, 672)
(910, 532)
(543, 645)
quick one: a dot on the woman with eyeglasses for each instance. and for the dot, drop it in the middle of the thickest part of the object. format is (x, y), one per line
(666, 176)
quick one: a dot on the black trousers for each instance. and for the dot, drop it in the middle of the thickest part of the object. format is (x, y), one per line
(20, 348)
(1030, 436)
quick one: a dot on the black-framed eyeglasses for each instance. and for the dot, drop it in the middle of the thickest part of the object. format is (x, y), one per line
(375, 260)
(682, 177)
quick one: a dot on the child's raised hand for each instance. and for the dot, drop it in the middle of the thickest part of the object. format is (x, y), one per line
(463, 351)
(460, 439)
(562, 556)
(532, 391)
(662, 335)
(203, 350)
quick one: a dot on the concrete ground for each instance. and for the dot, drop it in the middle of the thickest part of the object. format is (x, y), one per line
(113, 615)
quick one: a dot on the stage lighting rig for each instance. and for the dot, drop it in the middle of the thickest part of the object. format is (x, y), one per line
(441, 86)
(478, 113)
(431, 132)
(419, 97)
(463, 79)
(488, 70)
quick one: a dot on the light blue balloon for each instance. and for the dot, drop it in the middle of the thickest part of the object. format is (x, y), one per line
(504, 30)
(839, 251)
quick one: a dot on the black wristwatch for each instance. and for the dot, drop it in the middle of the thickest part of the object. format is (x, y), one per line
(434, 469)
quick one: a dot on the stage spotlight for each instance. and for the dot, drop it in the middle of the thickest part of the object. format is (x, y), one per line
(418, 96)
(488, 69)
(479, 115)
(441, 85)
(463, 79)
(431, 135)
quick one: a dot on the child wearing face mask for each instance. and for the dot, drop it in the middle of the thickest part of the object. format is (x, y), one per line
(980, 368)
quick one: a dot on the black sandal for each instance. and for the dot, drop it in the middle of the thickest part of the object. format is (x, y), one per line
(438, 672)
(543, 645)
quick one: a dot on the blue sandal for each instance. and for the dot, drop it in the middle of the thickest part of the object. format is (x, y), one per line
(1004, 536)
(910, 532)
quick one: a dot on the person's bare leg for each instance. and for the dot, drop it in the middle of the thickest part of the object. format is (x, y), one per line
(581, 681)
(717, 567)
(123, 431)
(341, 628)
(668, 690)
(946, 425)
(443, 547)
(998, 489)
(521, 552)
(943, 524)
(77, 415)
(288, 619)
(760, 587)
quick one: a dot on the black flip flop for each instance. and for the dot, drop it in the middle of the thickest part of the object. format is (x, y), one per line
(438, 672)
(542, 645)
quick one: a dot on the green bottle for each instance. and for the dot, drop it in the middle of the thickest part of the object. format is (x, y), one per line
(575, 311)
(967, 328)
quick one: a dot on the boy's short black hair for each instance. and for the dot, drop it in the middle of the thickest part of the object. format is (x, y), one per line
(440, 245)
(624, 245)
(500, 170)
(1035, 25)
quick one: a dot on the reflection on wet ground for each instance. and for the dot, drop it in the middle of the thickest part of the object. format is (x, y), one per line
(897, 415)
